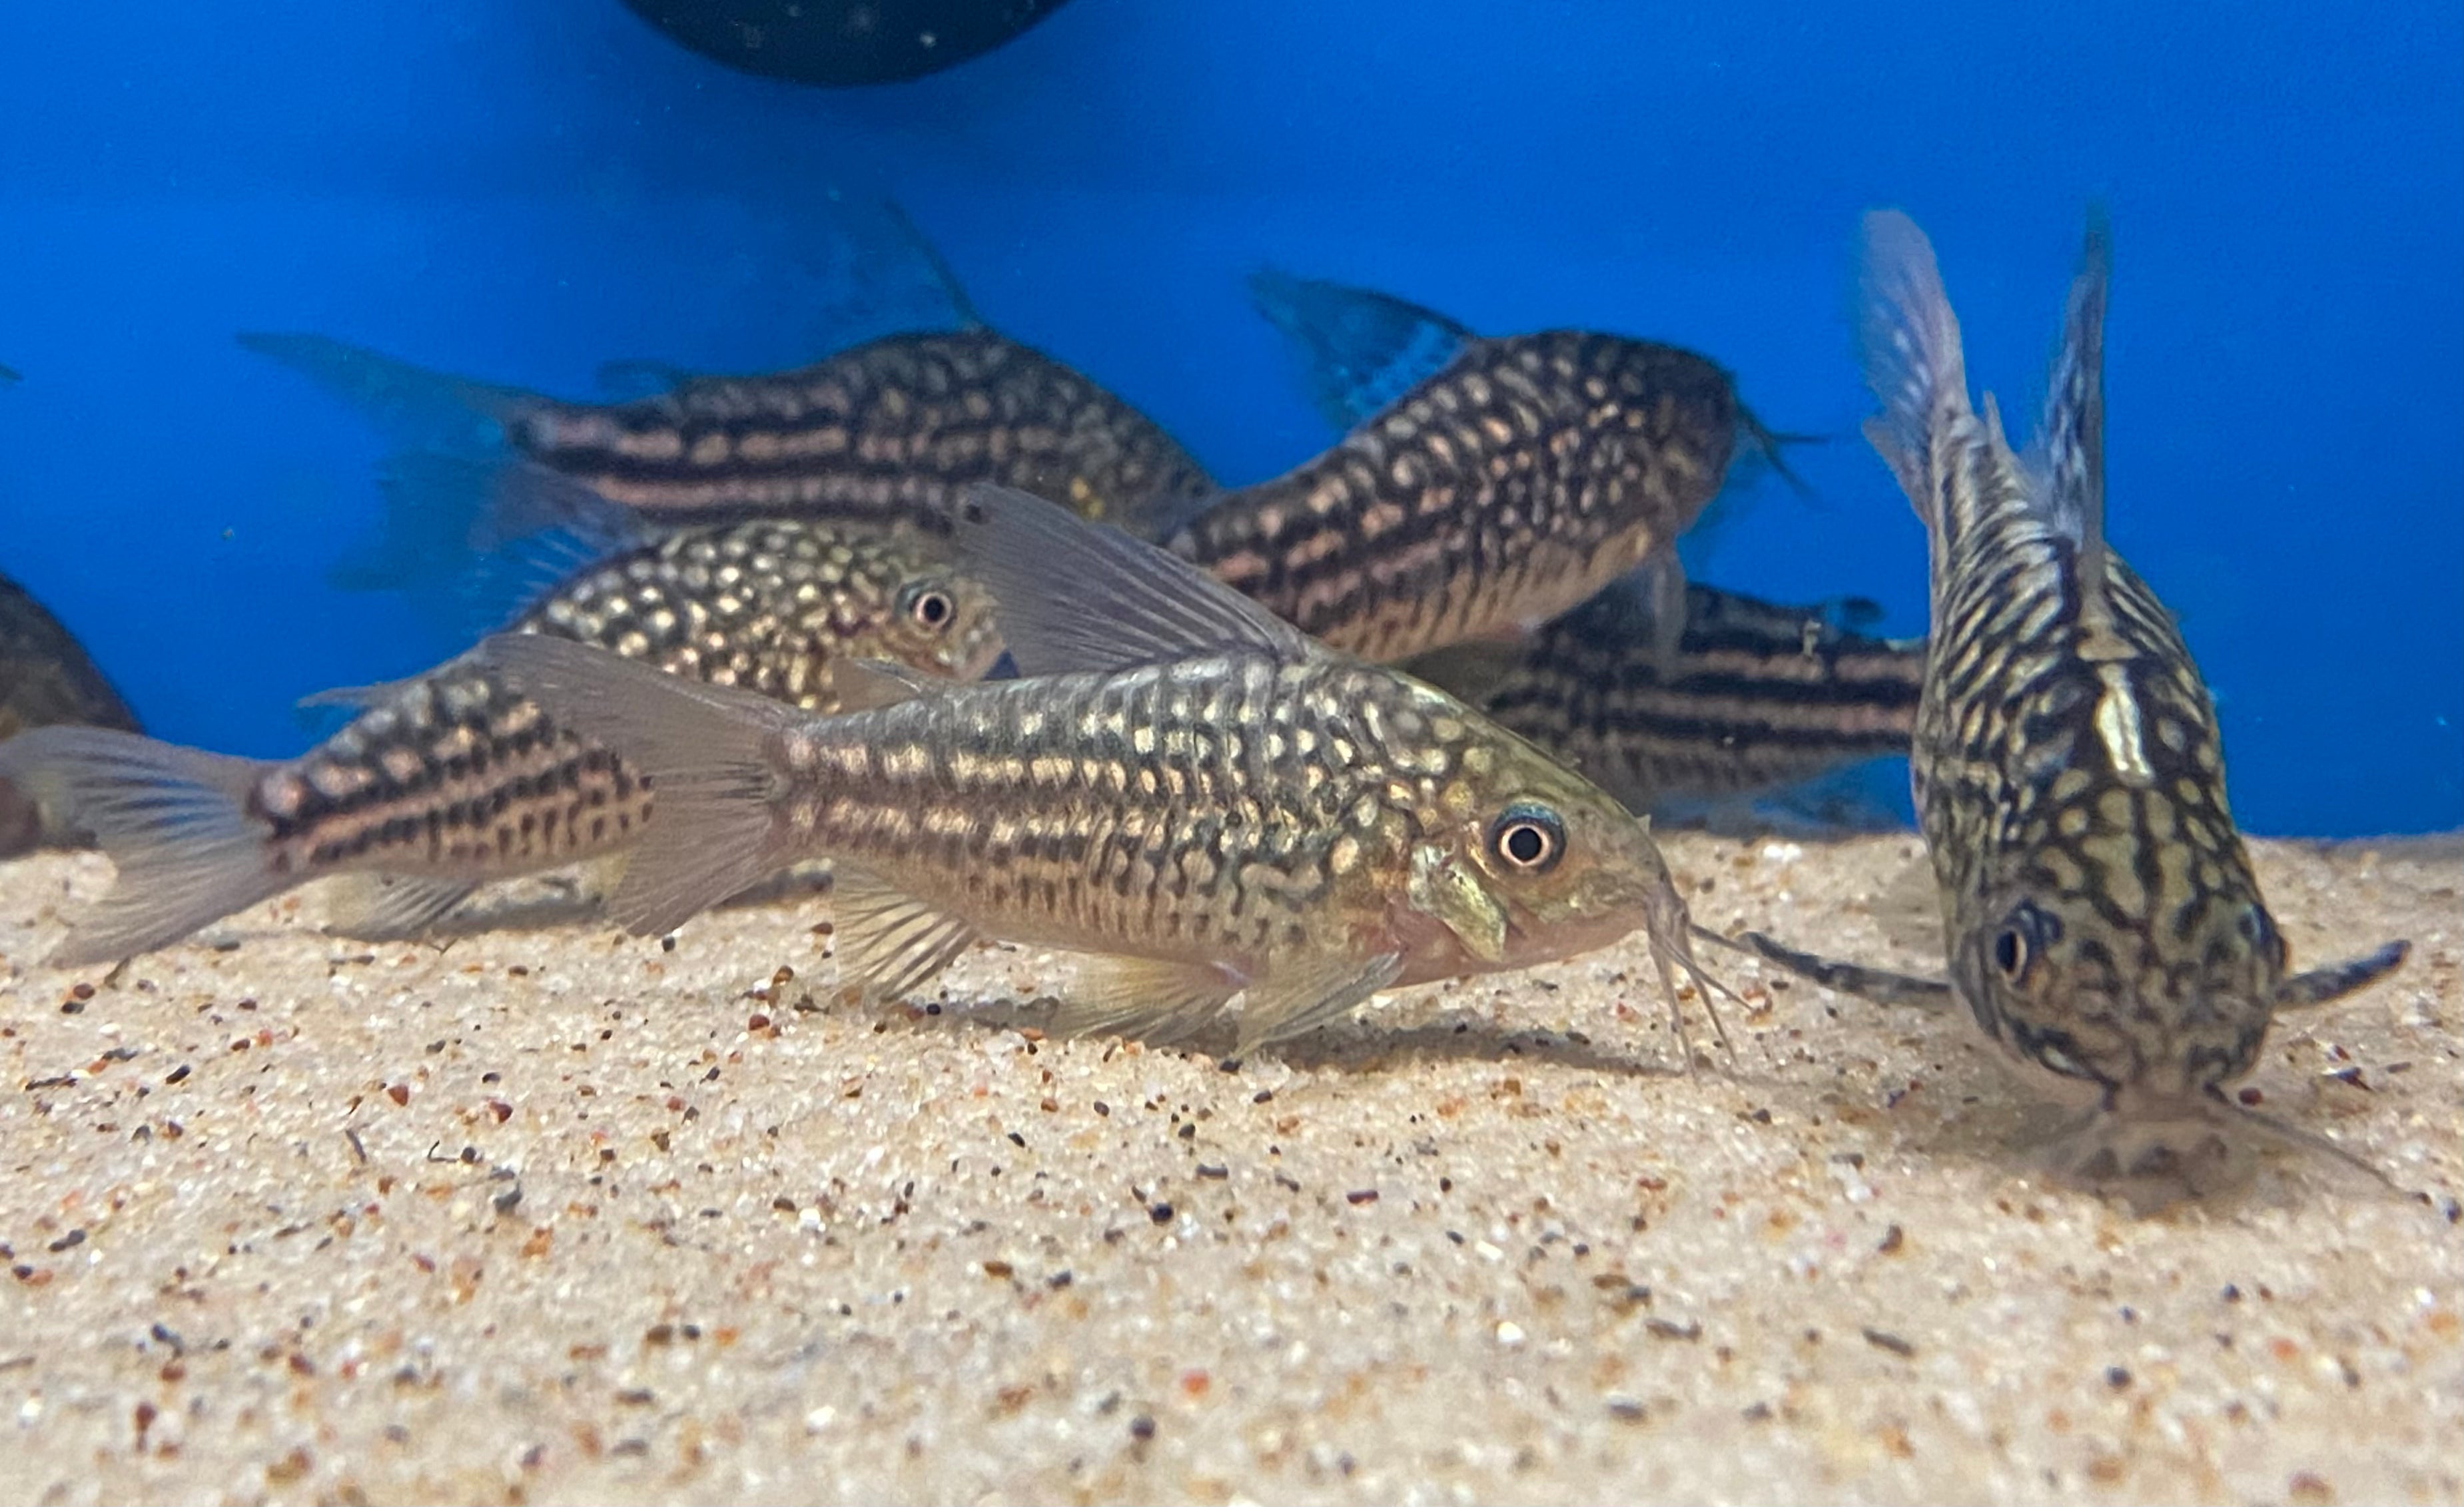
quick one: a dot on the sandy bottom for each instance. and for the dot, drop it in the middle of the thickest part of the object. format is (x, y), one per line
(554, 1215)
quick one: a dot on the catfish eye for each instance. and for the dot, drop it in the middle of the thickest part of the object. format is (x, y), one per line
(2023, 937)
(929, 608)
(1527, 838)
(2010, 952)
(2259, 929)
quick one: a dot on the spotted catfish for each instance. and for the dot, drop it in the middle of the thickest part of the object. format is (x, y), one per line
(886, 432)
(1182, 788)
(1756, 695)
(2103, 922)
(452, 779)
(1507, 480)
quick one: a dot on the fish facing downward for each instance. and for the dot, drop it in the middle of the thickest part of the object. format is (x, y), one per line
(451, 778)
(2101, 919)
(1184, 788)
(1519, 476)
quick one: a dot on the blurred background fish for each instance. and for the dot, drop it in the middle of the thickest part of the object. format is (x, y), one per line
(46, 680)
(888, 431)
(1753, 697)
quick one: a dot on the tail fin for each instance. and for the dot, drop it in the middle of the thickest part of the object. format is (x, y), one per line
(712, 754)
(411, 406)
(427, 537)
(1360, 350)
(1912, 355)
(173, 820)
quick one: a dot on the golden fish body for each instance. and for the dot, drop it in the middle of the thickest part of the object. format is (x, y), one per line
(452, 779)
(1212, 807)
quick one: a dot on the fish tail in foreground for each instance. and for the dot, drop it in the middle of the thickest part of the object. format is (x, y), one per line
(708, 751)
(1927, 433)
(173, 820)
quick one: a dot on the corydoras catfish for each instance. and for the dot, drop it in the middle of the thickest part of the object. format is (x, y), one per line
(452, 779)
(1181, 787)
(2103, 922)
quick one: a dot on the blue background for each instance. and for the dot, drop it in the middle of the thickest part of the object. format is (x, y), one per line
(520, 192)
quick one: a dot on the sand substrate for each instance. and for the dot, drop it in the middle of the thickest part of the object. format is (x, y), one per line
(554, 1215)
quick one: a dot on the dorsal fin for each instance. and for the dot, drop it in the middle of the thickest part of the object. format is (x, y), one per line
(946, 281)
(2070, 442)
(1361, 350)
(1077, 596)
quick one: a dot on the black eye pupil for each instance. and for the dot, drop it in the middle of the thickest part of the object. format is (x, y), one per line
(2010, 951)
(931, 609)
(1525, 844)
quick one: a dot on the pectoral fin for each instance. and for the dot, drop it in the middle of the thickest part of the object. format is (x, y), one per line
(2336, 980)
(1440, 889)
(379, 907)
(1881, 987)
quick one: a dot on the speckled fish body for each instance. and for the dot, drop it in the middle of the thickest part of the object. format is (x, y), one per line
(1755, 695)
(889, 432)
(452, 779)
(2102, 921)
(1210, 806)
(46, 678)
(1525, 476)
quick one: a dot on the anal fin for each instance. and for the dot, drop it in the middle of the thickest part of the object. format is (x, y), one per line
(381, 908)
(889, 942)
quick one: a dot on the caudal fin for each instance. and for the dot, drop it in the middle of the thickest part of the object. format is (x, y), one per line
(1913, 360)
(173, 822)
(428, 534)
(712, 754)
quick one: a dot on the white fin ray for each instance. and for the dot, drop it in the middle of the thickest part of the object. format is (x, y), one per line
(889, 942)
(709, 753)
(383, 907)
(173, 822)
(1154, 999)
